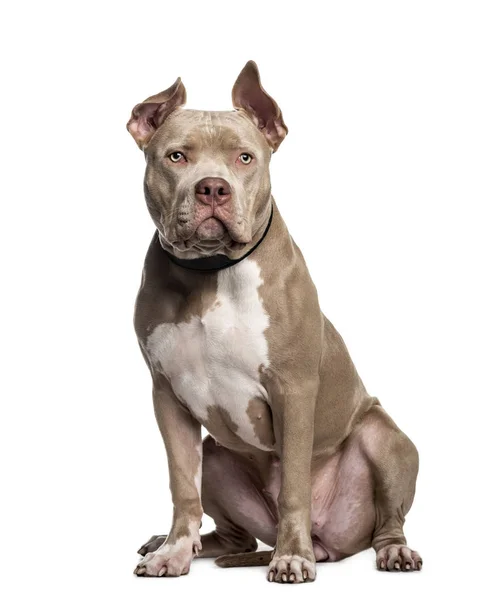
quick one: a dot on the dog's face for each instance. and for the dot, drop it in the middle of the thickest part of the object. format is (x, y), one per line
(207, 181)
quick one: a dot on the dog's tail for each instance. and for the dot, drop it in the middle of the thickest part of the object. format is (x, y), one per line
(244, 559)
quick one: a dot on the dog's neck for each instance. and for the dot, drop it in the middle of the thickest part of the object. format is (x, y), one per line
(217, 262)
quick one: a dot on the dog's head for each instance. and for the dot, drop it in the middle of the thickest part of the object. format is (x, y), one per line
(207, 181)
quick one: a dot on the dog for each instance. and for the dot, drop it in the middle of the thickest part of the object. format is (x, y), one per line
(299, 455)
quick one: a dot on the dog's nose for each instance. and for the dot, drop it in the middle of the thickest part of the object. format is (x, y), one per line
(213, 190)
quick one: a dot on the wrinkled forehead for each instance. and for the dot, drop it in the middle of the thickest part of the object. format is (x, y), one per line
(217, 131)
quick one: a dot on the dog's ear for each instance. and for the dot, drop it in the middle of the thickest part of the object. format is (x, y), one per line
(250, 96)
(149, 115)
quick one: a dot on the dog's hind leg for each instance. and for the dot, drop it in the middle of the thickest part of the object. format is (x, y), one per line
(393, 460)
(231, 495)
(226, 540)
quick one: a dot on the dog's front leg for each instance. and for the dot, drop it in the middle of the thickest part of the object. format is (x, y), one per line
(182, 438)
(293, 559)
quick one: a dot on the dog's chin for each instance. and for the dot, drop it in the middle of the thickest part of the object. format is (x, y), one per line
(210, 230)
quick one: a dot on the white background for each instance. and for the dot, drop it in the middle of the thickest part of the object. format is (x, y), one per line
(390, 180)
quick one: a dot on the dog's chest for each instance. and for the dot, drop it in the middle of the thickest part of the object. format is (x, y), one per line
(214, 358)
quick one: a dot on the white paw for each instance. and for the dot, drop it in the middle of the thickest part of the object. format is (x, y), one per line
(170, 560)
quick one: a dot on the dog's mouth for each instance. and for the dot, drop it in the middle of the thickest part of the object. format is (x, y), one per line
(211, 229)
(210, 237)
(204, 232)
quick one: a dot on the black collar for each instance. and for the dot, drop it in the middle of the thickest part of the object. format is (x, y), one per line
(217, 262)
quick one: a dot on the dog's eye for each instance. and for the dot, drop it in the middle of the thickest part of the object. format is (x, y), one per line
(245, 158)
(176, 156)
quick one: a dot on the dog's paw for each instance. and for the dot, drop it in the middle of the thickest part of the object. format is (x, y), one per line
(395, 557)
(290, 568)
(170, 560)
(155, 542)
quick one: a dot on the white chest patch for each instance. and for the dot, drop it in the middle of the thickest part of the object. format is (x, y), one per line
(214, 359)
